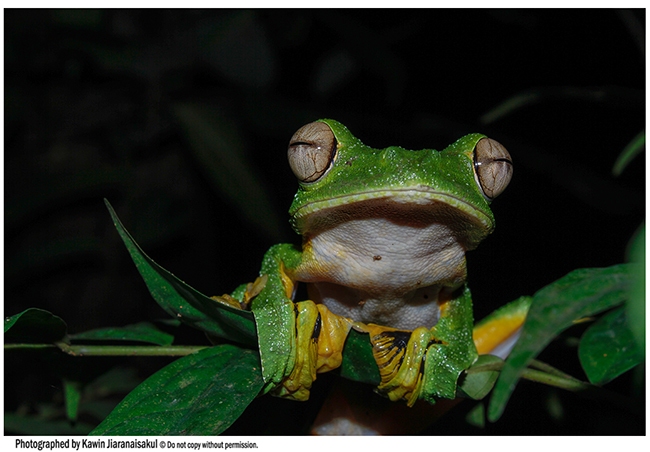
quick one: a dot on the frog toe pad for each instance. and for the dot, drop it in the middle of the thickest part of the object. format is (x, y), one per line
(320, 337)
(400, 356)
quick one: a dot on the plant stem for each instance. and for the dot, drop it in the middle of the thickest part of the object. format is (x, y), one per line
(114, 350)
(551, 379)
(539, 372)
(486, 367)
(583, 389)
(28, 346)
(539, 365)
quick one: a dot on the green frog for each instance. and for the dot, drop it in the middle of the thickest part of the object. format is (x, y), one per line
(384, 235)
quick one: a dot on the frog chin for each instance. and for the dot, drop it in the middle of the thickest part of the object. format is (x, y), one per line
(420, 307)
(384, 259)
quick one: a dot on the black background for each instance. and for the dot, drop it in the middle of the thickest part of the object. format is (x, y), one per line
(122, 104)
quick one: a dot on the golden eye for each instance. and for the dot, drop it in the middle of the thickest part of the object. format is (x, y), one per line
(311, 151)
(492, 167)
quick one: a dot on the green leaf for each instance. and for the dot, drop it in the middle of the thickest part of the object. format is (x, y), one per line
(511, 105)
(358, 362)
(72, 391)
(34, 326)
(633, 148)
(200, 394)
(636, 304)
(608, 349)
(476, 416)
(479, 379)
(184, 302)
(554, 308)
(139, 332)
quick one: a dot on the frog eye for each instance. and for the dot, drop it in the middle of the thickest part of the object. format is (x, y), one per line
(311, 151)
(492, 167)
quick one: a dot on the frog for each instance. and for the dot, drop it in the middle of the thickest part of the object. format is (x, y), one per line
(384, 238)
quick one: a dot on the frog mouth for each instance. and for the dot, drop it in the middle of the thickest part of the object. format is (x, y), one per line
(407, 208)
(418, 200)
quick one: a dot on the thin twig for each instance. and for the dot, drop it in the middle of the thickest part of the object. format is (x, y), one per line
(114, 350)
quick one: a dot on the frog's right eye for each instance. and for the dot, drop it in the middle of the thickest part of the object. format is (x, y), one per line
(311, 151)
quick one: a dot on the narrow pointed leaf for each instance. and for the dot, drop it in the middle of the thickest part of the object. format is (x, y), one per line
(184, 302)
(72, 391)
(633, 148)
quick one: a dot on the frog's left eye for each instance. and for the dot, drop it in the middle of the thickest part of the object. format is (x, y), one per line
(311, 151)
(492, 167)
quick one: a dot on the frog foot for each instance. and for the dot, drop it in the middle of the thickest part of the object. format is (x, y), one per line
(320, 337)
(251, 291)
(400, 357)
(227, 300)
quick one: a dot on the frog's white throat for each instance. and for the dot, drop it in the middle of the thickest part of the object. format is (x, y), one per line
(385, 269)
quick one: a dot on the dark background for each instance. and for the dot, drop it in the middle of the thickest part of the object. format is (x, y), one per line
(181, 118)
